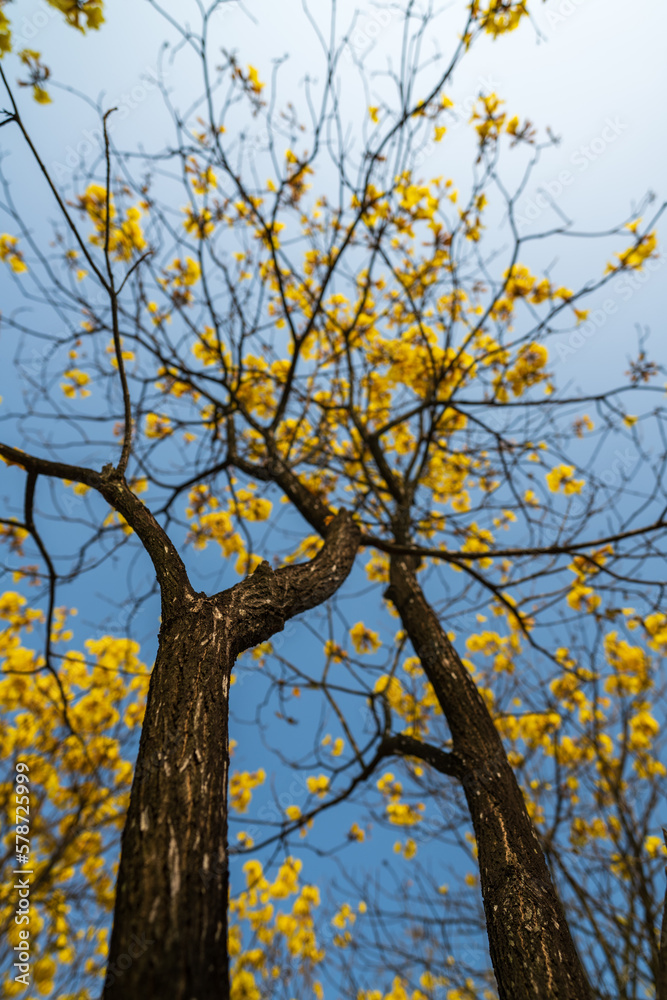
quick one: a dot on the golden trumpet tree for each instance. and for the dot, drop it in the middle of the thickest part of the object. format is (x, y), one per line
(249, 350)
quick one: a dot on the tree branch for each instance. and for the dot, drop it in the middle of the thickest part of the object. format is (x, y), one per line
(169, 567)
(402, 745)
(259, 606)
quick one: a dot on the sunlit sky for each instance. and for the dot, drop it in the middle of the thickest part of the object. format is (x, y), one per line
(590, 70)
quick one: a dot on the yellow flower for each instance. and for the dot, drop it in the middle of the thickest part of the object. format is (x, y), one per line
(635, 257)
(9, 253)
(562, 476)
(158, 426)
(377, 568)
(5, 34)
(655, 846)
(198, 224)
(409, 849)
(336, 652)
(318, 785)
(76, 382)
(73, 10)
(253, 79)
(251, 507)
(241, 785)
(402, 814)
(501, 16)
(41, 96)
(363, 639)
(243, 986)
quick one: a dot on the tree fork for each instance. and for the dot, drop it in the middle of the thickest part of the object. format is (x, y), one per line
(169, 936)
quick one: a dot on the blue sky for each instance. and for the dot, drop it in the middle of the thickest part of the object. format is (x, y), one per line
(583, 66)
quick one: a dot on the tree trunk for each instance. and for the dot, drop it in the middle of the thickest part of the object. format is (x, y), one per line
(170, 924)
(661, 973)
(169, 936)
(533, 954)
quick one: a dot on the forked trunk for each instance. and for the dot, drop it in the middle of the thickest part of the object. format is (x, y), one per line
(169, 937)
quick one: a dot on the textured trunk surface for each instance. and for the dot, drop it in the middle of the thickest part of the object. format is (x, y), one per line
(169, 936)
(533, 954)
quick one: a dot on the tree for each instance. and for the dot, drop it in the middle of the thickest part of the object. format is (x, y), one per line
(374, 359)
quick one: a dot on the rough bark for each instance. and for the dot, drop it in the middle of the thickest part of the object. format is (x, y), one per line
(169, 935)
(170, 921)
(661, 973)
(109, 483)
(533, 954)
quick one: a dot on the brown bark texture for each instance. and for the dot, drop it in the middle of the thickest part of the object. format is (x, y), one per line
(169, 936)
(533, 954)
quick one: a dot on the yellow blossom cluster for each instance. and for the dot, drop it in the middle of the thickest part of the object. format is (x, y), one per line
(9, 251)
(414, 707)
(504, 649)
(14, 536)
(582, 596)
(125, 237)
(79, 778)
(562, 478)
(499, 16)
(636, 256)
(428, 983)
(210, 522)
(203, 178)
(492, 122)
(266, 943)
(364, 639)
(399, 813)
(81, 14)
(241, 784)
(631, 667)
(75, 382)
(522, 285)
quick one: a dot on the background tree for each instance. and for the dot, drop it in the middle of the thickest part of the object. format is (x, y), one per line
(376, 352)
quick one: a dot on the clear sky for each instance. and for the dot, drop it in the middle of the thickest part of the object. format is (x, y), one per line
(591, 70)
